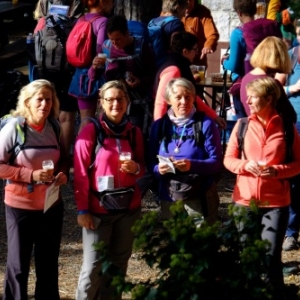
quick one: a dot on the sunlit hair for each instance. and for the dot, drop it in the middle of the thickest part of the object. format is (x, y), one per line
(272, 56)
(245, 7)
(182, 82)
(171, 6)
(113, 84)
(265, 87)
(29, 91)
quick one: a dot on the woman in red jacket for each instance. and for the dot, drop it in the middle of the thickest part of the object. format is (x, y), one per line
(268, 185)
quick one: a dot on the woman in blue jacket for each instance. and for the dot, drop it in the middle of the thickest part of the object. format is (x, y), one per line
(188, 143)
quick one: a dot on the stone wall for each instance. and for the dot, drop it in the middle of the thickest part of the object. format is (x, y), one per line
(224, 16)
(226, 20)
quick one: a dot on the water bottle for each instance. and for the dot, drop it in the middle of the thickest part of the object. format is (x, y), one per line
(30, 45)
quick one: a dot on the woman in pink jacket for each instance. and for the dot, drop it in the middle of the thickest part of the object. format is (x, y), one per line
(262, 167)
(107, 197)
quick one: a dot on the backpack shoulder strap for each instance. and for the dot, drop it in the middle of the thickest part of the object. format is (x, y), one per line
(289, 137)
(241, 132)
(106, 47)
(294, 59)
(56, 127)
(100, 136)
(197, 128)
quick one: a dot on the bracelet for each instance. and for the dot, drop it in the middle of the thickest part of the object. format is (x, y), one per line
(137, 170)
(287, 90)
(82, 212)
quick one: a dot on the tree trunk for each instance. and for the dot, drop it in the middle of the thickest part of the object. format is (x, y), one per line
(138, 10)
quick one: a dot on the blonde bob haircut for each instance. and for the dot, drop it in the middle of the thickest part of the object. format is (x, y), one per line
(113, 84)
(29, 91)
(272, 56)
(182, 82)
(265, 87)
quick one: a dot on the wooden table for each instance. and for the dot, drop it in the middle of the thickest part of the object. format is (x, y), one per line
(216, 87)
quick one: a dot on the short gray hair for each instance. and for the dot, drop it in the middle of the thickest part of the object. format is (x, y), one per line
(29, 91)
(179, 82)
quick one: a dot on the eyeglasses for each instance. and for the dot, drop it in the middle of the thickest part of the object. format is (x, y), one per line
(112, 100)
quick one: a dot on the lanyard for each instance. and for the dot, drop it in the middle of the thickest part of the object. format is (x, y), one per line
(179, 143)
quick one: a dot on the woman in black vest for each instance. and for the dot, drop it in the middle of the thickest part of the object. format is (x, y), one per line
(183, 50)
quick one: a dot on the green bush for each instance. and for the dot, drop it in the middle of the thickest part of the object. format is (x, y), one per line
(210, 262)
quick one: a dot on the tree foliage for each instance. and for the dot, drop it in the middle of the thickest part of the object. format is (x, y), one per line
(210, 262)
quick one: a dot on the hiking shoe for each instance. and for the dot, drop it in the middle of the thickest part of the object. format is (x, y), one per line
(290, 244)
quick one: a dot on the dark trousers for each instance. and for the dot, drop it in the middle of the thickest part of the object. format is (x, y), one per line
(36, 231)
(274, 222)
(294, 209)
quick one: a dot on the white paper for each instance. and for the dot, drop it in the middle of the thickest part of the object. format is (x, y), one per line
(51, 197)
(105, 182)
(167, 161)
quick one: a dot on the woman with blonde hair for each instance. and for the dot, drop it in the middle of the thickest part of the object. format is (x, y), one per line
(267, 185)
(28, 224)
(270, 57)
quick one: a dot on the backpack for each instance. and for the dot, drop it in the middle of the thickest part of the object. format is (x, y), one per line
(255, 32)
(101, 135)
(50, 54)
(157, 38)
(288, 136)
(21, 128)
(81, 43)
(137, 28)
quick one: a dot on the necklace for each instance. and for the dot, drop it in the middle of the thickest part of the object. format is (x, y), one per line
(178, 144)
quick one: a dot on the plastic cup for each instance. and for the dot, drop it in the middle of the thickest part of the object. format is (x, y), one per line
(48, 166)
(102, 55)
(201, 72)
(262, 164)
(124, 156)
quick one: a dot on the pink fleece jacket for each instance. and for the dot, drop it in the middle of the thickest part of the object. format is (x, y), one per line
(161, 106)
(106, 163)
(259, 144)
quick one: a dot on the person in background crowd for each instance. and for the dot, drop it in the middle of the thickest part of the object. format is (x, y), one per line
(199, 21)
(99, 222)
(136, 71)
(269, 187)
(29, 228)
(87, 106)
(291, 84)
(176, 9)
(61, 79)
(269, 57)
(195, 162)
(183, 50)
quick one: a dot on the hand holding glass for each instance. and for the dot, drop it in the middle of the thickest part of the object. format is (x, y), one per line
(123, 157)
(48, 166)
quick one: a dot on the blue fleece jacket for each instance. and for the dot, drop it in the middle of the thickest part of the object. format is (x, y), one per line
(205, 157)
